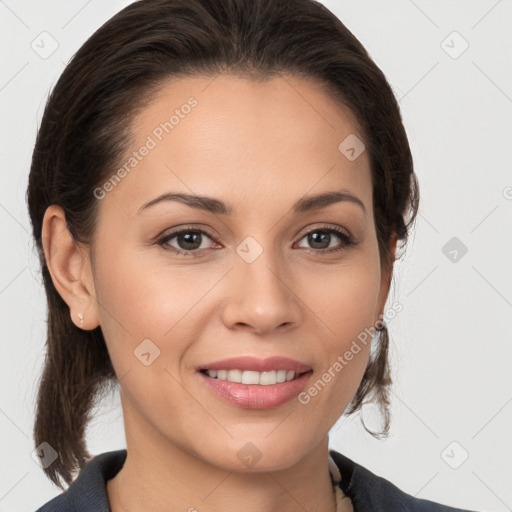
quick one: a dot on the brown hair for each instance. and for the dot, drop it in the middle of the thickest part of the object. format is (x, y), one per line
(85, 130)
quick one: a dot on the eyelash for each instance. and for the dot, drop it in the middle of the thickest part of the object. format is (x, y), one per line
(347, 240)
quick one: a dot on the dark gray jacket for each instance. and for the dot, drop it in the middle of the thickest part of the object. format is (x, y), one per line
(367, 491)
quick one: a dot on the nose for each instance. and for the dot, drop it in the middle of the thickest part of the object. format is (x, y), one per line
(261, 296)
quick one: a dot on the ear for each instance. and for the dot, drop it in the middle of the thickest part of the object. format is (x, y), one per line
(69, 266)
(385, 282)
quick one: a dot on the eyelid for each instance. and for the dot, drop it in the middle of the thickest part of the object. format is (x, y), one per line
(177, 230)
(205, 230)
(339, 229)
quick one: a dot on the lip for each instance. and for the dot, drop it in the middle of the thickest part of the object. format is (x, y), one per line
(257, 365)
(255, 396)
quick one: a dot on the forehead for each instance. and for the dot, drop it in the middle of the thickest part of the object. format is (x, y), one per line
(231, 136)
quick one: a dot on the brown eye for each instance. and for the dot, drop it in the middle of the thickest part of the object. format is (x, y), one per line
(189, 241)
(320, 240)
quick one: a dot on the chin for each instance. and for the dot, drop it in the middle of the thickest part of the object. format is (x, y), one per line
(258, 455)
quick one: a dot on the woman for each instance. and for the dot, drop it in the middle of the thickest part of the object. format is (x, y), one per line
(217, 192)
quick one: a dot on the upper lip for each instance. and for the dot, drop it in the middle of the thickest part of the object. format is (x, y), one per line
(257, 365)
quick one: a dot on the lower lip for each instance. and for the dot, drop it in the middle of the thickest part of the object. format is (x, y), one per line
(255, 396)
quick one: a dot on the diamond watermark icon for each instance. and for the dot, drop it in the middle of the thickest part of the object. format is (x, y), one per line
(44, 45)
(454, 45)
(146, 352)
(454, 455)
(44, 455)
(351, 147)
(454, 249)
(249, 454)
(249, 249)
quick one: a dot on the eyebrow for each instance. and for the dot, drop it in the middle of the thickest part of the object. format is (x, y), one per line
(216, 206)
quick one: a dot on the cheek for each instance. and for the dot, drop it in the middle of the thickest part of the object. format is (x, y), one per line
(148, 321)
(345, 297)
(140, 300)
(344, 301)
(136, 303)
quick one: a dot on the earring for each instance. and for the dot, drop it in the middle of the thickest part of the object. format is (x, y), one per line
(382, 326)
(81, 318)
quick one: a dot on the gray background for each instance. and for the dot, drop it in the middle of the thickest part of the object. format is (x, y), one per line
(451, 344)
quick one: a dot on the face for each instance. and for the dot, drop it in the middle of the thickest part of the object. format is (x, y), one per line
(259, 277)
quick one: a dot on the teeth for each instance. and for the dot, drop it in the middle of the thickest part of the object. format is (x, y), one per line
(252, 377)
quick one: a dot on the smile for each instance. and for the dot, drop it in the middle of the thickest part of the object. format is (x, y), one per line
(252, 377)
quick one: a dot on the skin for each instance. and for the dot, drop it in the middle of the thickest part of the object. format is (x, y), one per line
(260, 147)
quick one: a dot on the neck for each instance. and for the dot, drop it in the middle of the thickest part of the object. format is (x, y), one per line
(159, 475)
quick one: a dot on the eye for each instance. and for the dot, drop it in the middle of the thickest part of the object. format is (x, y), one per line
(321, 238)
(190, 241)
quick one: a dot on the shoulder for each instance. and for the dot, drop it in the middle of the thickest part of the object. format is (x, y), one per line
(370, 492)
(88, 493)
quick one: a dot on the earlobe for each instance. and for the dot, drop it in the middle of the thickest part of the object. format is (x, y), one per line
(69, 268)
